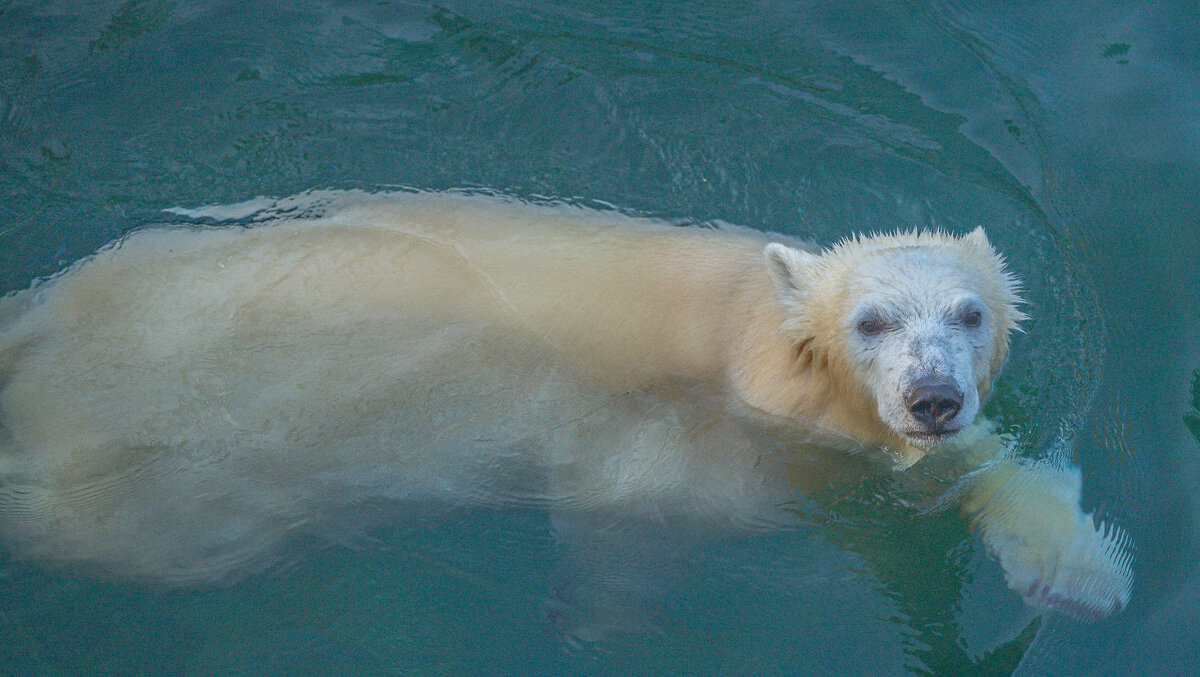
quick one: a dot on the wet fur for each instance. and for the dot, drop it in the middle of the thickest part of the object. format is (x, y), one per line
(178, 404)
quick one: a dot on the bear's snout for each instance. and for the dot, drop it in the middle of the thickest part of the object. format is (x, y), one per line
(934, 402)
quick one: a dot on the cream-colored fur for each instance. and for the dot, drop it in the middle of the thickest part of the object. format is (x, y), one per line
(179, 403)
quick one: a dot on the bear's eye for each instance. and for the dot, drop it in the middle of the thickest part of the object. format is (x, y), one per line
(870, 326)
(972, 319)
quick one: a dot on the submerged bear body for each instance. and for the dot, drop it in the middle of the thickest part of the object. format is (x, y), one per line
(189, 393)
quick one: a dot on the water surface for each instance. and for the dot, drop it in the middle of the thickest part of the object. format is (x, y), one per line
(1069, 132)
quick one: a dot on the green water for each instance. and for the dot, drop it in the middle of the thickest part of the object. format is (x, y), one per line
(1069, 131)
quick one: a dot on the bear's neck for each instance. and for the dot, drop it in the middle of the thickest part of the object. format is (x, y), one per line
(771, 373)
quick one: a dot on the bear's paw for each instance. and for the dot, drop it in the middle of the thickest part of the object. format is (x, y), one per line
(1053, 553)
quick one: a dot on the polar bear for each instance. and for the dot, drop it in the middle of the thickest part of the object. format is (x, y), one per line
(181, 403)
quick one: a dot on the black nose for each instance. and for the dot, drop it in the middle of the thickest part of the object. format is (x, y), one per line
(934, 403)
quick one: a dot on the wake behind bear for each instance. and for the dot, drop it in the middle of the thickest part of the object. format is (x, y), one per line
(184, 402)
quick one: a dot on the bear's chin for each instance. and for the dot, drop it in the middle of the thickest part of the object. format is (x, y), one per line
(930, 439)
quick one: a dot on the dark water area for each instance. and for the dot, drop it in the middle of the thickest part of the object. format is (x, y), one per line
(1070, 131)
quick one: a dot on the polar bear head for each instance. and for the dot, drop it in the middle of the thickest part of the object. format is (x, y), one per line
(914, 325)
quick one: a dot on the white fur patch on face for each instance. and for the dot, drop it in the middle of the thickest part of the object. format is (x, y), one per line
(918, 336)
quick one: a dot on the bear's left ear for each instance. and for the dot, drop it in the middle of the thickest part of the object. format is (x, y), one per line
(787, 266)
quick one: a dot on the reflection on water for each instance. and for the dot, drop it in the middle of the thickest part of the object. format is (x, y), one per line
(924, 561)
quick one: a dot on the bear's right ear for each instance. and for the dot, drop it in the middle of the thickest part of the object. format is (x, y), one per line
(788, 269)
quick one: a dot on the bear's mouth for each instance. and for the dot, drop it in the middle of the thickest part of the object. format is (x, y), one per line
(930, 438)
